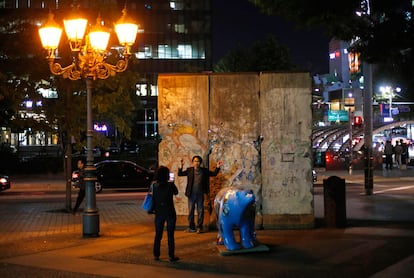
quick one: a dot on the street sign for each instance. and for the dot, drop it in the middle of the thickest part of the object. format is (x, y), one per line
(338, 116)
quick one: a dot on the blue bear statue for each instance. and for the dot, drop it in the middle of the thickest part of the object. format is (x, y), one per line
(235, 208)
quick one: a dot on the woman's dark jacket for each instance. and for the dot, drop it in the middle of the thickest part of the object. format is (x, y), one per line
(205, 178)
(163, 202)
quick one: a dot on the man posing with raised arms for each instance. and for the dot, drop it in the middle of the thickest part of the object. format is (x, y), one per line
(198, 184)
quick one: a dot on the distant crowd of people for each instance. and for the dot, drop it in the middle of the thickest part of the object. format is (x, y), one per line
(397, 154)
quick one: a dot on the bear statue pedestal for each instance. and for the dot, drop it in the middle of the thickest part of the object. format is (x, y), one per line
(236, 208)
(257, 248)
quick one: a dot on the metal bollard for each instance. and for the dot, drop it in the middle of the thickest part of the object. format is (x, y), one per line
(334, 202)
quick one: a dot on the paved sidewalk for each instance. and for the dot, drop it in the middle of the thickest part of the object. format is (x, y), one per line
(359, 175)
(39, 239)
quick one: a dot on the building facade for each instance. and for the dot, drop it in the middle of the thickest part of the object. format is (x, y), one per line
(174, 36)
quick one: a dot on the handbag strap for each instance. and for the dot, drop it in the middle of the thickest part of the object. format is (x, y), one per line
(152, 186)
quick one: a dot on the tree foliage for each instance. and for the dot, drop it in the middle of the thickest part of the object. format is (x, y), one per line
(24, 70)
(116, 102)
(383, 28)
(382, 31)
(266, 55)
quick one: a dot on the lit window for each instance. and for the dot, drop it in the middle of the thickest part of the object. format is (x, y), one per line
(184, 51)
(180, 28)
(48, 93)
(148, 51)
(177, 5)
(142, 89)
(145, 53)
(164, 51)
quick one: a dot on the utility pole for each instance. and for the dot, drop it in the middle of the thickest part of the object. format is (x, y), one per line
(351, 147)
(368, 156)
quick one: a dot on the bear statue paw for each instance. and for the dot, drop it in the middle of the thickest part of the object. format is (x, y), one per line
(247, 244)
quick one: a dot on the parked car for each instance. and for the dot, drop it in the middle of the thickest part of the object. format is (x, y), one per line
(118, 174)
(4, 182)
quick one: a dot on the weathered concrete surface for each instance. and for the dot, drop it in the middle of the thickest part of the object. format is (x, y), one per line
(183, 126)
(223, 117)
(286, 124)
(234, 128)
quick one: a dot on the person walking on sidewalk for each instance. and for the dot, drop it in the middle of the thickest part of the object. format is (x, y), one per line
(81, 177)
(404, 154)
(198, 184)
(388, 151)
(163, 207)
(398, 151)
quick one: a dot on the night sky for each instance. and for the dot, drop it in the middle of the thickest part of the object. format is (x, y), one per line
(237, 22)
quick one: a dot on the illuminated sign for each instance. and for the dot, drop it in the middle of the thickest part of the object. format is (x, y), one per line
(354, 62)
(357, 120)
(101, 128)
(338, 116)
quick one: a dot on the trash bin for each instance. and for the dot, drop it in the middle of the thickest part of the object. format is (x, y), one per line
(334, 202)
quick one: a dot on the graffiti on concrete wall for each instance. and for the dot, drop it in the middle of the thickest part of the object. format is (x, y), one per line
(290, 185)
(257, 125)
(241, 160)
(181, 143)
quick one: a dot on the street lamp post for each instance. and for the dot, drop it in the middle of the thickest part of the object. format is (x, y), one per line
(351, 147)
(89, 55)
(388, 91)
(349, 103)
(368, 152)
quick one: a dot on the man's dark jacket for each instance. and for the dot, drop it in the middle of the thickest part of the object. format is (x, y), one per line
(205, 178)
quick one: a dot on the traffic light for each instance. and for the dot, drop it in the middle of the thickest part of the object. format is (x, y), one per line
(357, 121)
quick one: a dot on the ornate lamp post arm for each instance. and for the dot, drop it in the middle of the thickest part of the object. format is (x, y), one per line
(89, 63)
(93, 67)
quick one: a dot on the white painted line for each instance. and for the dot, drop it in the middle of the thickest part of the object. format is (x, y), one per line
(395, 189)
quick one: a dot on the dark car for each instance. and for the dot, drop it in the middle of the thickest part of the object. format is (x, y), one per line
(4, 182)
(119, 174)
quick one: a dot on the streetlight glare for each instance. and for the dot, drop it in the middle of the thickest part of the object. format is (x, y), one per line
(385, 89)
(99, 40)
(126, 33)
(88, 63)
(75, 29)
(50, 37)
(388, 92)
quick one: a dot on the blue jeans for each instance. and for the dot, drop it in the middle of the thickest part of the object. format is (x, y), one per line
(193, 201)
(159, 228)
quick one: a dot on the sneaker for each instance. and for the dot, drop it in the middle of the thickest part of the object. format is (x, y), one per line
(156, 258)
(189, 230)
(199, 231)
(174, 259)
